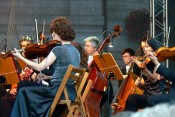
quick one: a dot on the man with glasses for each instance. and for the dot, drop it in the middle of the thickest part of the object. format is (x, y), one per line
(91, 47)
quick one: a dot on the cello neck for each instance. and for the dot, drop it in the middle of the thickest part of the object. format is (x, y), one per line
(131, 68)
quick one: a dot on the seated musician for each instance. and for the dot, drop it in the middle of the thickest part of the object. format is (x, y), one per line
(27, 73)
(28, 77)
(61, 57)
(83, 55)
(128, 56)
(91, 48)
(167, 73)
(7, 100)
(24, 41)
(148, 82)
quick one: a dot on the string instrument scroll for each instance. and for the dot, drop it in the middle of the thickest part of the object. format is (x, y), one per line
(42, 37)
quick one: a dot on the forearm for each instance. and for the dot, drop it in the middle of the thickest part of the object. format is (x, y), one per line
(151, 76)
(31, 64)
(166, 73)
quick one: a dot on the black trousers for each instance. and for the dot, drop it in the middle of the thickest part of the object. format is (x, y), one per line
(135, 102)
(7, 100)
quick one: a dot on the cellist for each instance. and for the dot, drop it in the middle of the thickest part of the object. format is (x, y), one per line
(149, 81)
(128, 56)
(91, 48)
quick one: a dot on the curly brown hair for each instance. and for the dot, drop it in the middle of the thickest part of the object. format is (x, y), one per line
(63, 28)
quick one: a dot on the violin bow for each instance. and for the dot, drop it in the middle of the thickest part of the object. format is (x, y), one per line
(36, 26)
(42, 37)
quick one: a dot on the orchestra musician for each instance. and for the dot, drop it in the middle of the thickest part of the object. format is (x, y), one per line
(28, 76)
(8, 99)
(24, 41)
(91, 48)
(36, 101)
(148, 82)
(128, 56)
(168, 74)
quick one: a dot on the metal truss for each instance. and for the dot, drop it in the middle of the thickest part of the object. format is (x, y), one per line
(159, 22)
(159, 8)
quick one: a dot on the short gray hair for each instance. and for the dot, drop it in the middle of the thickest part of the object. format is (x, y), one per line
(93, 40)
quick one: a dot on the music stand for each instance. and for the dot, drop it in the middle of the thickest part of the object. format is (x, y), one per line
(9, 70)
(106, 64)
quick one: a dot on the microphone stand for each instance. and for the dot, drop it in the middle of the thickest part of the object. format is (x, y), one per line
(108, 91)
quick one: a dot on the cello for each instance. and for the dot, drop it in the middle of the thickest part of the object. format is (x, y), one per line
(99, 81)
(127, 87)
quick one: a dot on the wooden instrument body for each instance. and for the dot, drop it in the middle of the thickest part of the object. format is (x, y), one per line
(127, 88)
(93, 99)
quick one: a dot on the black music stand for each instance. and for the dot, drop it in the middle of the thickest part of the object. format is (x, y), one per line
(106, 64)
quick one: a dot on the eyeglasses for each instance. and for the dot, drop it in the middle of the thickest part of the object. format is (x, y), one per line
(87, 46)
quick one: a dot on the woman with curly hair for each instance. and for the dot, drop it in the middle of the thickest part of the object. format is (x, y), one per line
(36, 101)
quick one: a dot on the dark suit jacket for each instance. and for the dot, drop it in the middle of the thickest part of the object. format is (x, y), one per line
(136, 71)
(169, 74)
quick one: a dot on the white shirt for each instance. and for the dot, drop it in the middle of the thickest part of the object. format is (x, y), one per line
(127, 69)
(90, 58)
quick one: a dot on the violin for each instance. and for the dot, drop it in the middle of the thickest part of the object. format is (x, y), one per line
(162, 54)
(165, 53)
(33, 51)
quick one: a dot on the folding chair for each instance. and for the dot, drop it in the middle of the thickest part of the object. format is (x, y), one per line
(75, 74)
(82, 97)
(78, 106)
